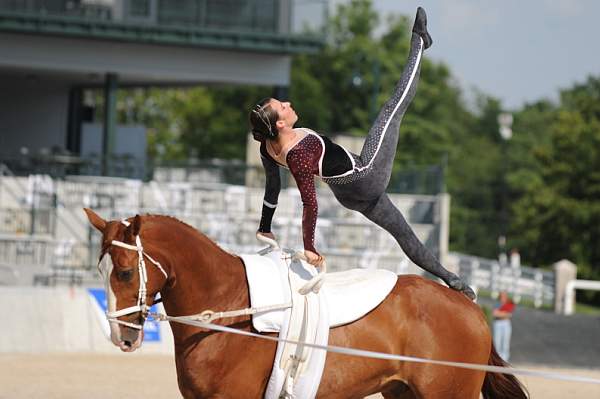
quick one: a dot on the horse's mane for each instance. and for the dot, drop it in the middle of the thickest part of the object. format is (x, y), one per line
(173, 219)
(187, 226)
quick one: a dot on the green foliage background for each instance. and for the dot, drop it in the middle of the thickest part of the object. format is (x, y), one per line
(547, 176)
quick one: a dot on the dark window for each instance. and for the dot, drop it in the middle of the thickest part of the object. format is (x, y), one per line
(237, 15)
(139, 8)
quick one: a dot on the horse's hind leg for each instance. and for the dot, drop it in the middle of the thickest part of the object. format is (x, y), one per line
(397, 390)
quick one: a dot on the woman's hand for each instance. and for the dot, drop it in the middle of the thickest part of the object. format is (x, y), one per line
(314, 259)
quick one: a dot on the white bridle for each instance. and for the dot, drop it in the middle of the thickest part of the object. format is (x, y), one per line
(141, 305)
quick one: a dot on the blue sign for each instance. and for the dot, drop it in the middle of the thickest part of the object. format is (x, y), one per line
(151, 327)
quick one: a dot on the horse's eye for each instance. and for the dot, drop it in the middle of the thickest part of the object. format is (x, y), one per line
(125, 275)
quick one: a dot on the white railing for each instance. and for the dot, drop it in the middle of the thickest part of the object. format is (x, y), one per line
(577, 285)
(30, 260)
(36, 251)
(520, 282)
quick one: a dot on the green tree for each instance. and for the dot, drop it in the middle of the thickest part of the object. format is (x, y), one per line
(557, 214)
(222, 130)
(475, 181)
(197, 122)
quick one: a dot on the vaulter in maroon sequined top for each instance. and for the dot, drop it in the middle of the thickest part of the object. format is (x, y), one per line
(358, 182)
(309, 155)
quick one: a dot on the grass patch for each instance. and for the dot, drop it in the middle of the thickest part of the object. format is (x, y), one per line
(582, 308)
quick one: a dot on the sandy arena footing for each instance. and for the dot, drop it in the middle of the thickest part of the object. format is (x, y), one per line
(93, 376)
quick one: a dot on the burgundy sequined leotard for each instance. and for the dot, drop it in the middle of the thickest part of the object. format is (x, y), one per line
(313, 155)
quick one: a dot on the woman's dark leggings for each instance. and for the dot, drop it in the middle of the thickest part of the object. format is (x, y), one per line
(364, 189)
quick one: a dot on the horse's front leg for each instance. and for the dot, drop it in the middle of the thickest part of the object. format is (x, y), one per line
(225, 367)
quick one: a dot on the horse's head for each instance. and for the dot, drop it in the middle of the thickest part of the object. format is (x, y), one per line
(132, 278)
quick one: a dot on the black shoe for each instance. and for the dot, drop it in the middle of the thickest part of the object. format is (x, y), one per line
(457, 284)
(420, 27)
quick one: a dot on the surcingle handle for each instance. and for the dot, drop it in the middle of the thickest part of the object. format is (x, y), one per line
(272, 244)
(315, 283)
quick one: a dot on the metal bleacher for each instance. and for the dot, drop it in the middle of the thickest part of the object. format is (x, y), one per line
(61, 247)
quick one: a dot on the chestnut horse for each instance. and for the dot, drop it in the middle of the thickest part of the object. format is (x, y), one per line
(419, 318)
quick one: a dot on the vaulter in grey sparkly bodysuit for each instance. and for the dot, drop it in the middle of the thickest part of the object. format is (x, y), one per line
(357, 181)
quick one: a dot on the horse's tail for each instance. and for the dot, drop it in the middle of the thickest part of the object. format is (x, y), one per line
(499, 385)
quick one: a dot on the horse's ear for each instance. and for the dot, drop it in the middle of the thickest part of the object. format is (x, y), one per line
(95, 220)
(136, 226)
(133, 229)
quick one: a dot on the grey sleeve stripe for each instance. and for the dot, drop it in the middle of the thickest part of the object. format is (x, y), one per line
(268, 204)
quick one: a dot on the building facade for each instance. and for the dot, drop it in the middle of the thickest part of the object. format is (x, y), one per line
(52, 50)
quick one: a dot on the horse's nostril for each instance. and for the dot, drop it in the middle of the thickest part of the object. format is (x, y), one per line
(127, 343)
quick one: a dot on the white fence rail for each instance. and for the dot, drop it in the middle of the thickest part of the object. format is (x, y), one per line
(522, 283)
(577, 285)
(36, 260)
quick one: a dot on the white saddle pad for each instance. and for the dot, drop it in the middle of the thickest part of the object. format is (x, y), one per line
(350, 294)
(274, 279)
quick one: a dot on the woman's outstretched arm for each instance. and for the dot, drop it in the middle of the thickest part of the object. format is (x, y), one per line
(301, 169)
(272, 189)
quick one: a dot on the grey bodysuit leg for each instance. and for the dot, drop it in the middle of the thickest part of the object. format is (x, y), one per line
(364, 190)
(383, 213)
(379, 149)
(373, 168)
